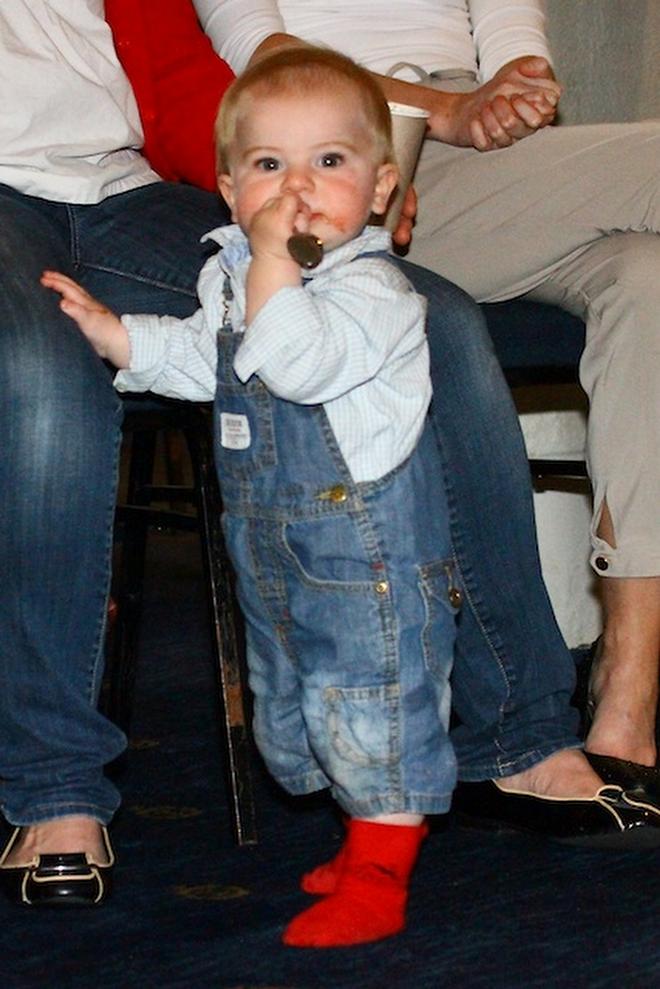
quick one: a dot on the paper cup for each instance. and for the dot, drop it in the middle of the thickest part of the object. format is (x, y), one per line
(408, 129)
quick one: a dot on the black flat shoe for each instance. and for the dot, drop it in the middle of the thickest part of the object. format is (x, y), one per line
(73, 879)
(631, 776)
(613, 818)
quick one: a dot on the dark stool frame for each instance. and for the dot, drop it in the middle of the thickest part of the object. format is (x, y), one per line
(538, 344)
(145, 416)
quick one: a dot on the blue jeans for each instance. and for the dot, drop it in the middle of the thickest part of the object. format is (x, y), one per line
(60, 427)
(513, 674)
(347, 592)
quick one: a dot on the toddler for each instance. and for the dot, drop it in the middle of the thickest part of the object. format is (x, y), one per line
(334, 510)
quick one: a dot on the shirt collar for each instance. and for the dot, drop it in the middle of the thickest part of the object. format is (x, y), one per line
(236, 249)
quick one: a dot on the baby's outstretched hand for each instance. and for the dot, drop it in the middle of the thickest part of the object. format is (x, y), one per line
(106, 333)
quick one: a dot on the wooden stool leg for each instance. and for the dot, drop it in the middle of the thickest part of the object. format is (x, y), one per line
(227, 634)
(129, 576)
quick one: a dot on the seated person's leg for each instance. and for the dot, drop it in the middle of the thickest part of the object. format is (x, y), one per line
(62, 428)
(614, 286)
(510, 654)
(513, 676)
(57, 487)
(141, 251)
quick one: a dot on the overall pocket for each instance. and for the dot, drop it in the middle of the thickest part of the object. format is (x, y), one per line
(362, 725)
(438, 585)
(328, 549)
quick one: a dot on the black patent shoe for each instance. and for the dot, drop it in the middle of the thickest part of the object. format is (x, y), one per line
(67, 880)
(613, 818)
(633, 777)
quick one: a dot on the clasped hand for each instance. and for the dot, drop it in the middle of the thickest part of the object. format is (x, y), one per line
(520, 99)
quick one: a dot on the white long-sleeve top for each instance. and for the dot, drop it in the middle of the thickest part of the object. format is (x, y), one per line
(69, 125)
(351, 338)
(477, 35)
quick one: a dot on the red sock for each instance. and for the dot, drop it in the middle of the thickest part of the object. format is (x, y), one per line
(322, 880)
(369, 900)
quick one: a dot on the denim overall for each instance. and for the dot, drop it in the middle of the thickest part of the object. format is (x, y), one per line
(350, 599)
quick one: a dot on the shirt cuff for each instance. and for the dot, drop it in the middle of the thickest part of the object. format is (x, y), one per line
(148, 349)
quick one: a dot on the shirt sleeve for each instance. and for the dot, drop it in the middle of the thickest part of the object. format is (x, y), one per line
(313, 345)
(237, 27)
(507, 29)
(172, 357)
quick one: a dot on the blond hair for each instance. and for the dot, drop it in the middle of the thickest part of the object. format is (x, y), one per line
(298, 71)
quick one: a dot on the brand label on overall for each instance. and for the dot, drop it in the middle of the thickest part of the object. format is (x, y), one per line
(234, 431)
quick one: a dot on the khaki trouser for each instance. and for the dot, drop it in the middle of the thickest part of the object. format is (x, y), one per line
(571, 215)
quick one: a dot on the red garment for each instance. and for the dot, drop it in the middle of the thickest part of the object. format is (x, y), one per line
(178, 82)
(369, 898)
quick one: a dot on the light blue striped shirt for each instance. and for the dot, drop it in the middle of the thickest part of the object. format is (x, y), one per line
(351, 338)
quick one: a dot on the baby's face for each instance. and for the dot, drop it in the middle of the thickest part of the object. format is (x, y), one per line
(317, 147)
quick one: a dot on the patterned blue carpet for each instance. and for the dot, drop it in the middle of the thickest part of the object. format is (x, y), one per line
(192, 910)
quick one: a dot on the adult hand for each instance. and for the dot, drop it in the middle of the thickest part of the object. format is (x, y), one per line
(403, 233)
(520, 99)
